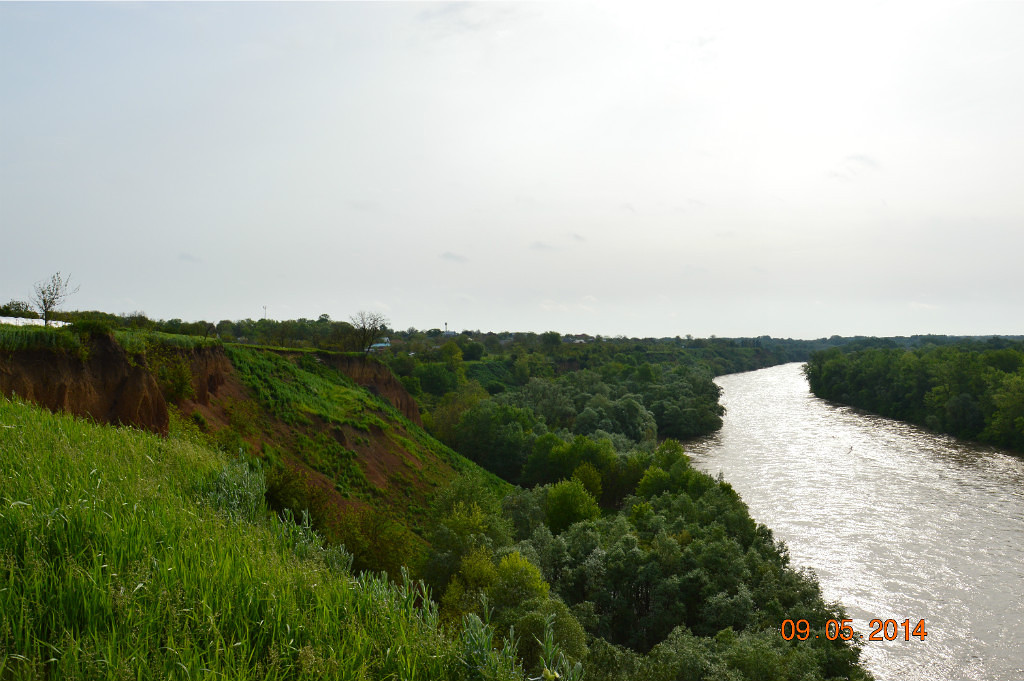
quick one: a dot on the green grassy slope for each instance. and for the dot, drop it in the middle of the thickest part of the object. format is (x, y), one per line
(126, 555)
(364, 471)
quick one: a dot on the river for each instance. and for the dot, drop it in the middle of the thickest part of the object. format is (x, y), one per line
(897, 522)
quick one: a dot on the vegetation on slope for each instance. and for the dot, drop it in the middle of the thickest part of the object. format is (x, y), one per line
(973, 390)
(126, 555)
(365, 472)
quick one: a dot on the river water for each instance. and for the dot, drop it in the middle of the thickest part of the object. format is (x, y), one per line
(897, 523)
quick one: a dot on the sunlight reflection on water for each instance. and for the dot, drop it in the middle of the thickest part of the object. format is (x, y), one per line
(897, 523)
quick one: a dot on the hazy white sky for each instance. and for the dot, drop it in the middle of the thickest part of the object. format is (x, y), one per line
(729, 168)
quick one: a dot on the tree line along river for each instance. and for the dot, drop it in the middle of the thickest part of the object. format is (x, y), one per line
(897, 522)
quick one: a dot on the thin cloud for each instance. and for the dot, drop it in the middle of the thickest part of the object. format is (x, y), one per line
(362, 205)
(587, 303)
(852, 167)
(465, 17)
(549, 305)
(863, 160)
(188, 257)
(454, 257)
(541, 246)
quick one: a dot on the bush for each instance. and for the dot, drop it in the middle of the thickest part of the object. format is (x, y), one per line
(172, 370)
(436, 379)
(18, 308)
(472, 352)
(569, 502)
(93, 327)
(517, 581)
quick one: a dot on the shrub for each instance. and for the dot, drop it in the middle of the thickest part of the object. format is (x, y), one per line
(172, 370)
(569, 502)
(88, 328)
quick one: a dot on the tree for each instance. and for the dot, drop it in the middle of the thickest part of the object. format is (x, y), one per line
(451, 354)
(49, 295)
(551, 340)
(497, 437)
(368, 327)
(17, 308)
(472, 352)
(569, 502)
(436, 379)
(447, 413)
(517, 581)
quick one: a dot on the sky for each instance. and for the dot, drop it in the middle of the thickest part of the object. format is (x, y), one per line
(646, 169)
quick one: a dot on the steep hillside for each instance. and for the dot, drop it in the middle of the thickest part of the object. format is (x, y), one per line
(338, 434)
(364, 470)
(94, 377)
(124, 554)
(377, 378)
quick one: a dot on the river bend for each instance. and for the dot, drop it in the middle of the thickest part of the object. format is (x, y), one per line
(897, 522)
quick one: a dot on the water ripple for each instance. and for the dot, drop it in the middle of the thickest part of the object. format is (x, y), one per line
(897, 522)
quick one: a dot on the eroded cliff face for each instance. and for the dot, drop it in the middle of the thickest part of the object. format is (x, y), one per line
(210, 370)
(106, 384)
(379, 380)
(112, 387)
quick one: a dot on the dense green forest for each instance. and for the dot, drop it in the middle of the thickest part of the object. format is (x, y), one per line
(651, 568)
(604, 554)
(970, 389)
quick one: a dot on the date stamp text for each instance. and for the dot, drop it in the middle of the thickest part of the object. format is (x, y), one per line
(881, 630)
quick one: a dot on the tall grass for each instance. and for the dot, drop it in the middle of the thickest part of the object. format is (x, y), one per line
(136, 342)
(20, 338)
(128, 556)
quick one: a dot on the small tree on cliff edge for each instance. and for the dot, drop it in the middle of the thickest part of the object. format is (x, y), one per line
(50, 295)
(368, 327)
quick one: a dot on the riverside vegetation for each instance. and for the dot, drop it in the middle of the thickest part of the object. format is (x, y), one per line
(592, 549)
(973, 389)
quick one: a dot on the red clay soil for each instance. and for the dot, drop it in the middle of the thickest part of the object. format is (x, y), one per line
(377, 455)
(219, 392)
(113, 388)
(215, 386)
(210, 370)
(323, 490)
(105, 386)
